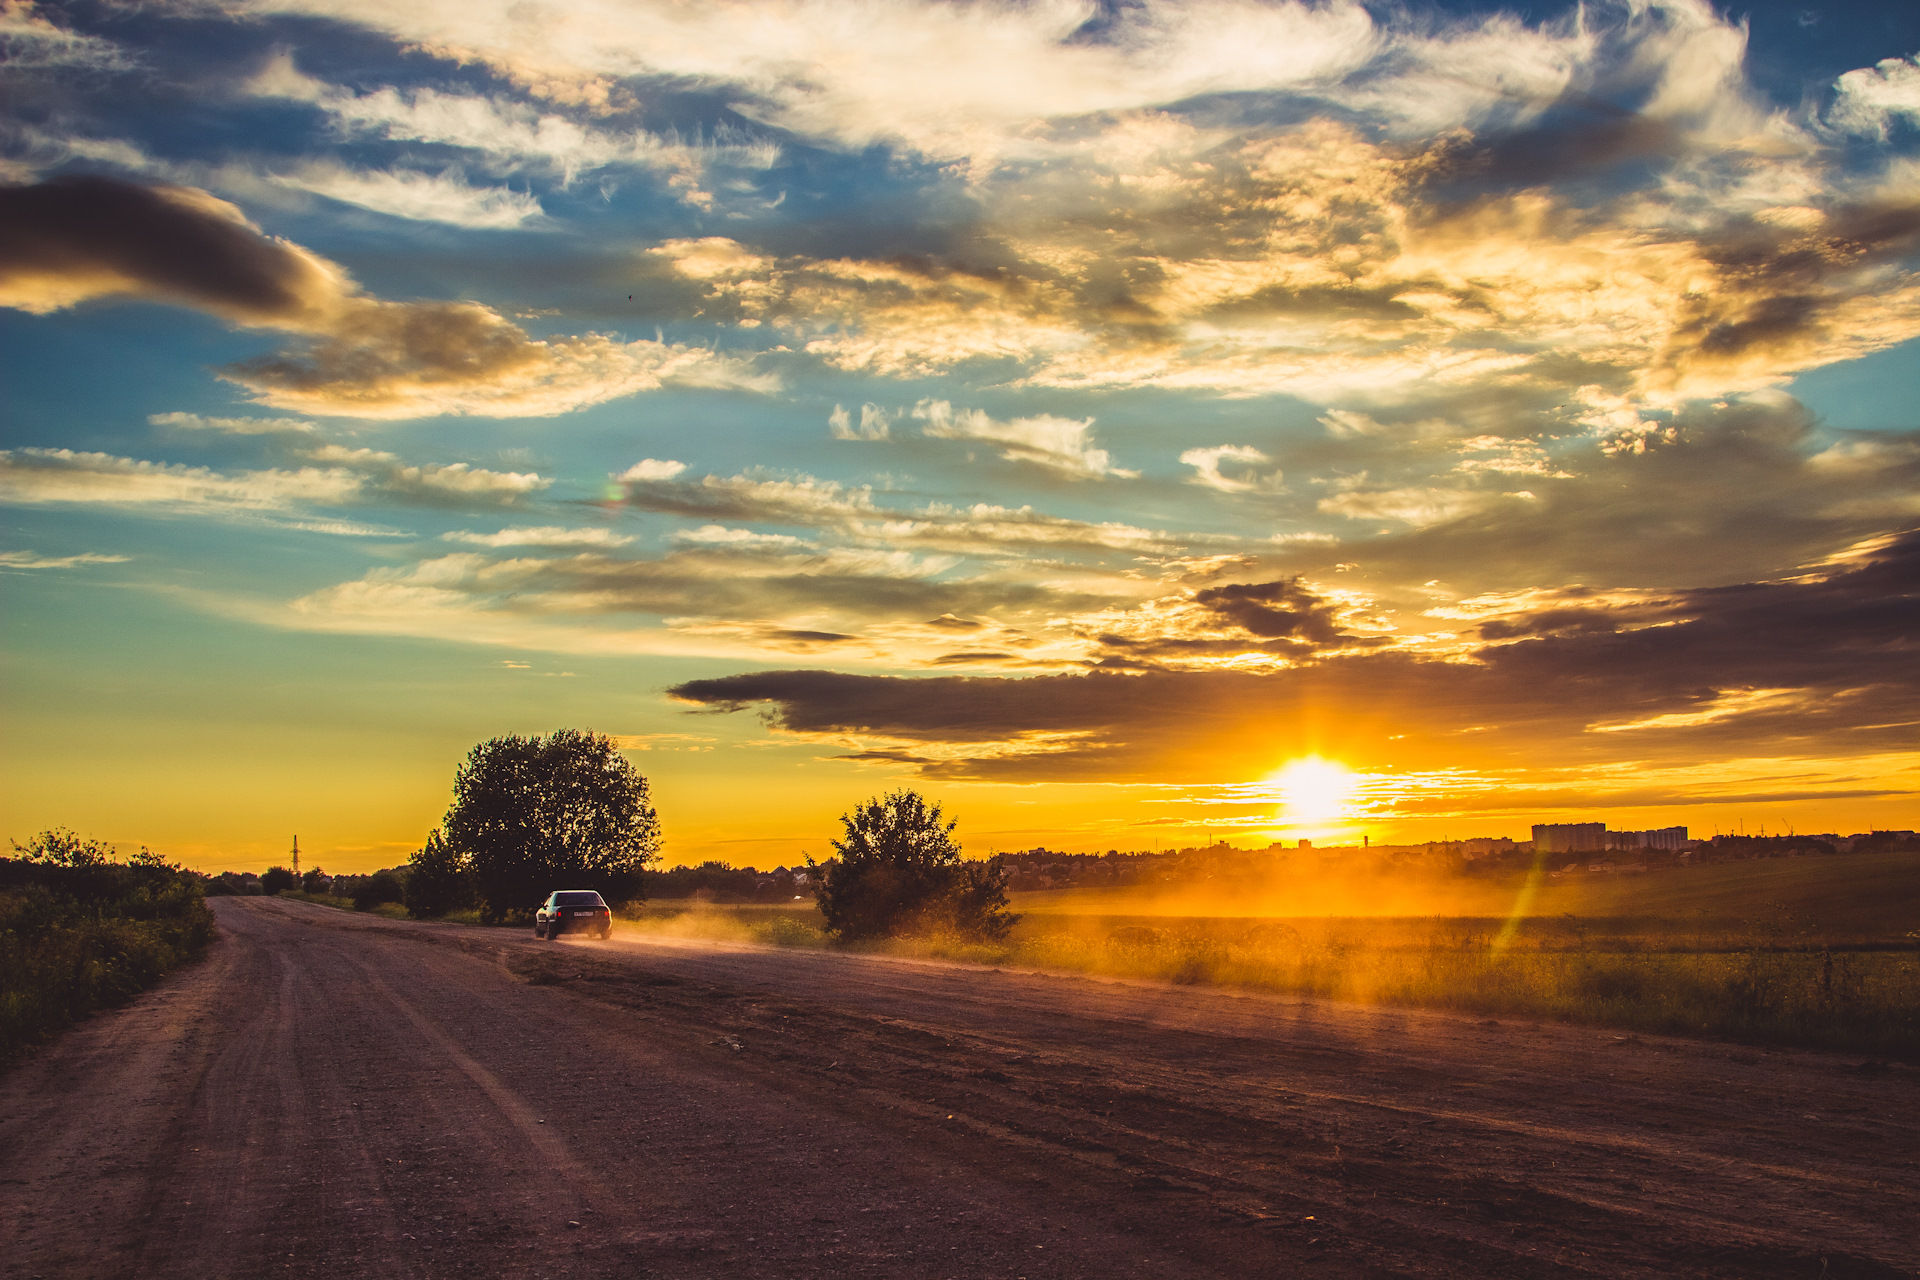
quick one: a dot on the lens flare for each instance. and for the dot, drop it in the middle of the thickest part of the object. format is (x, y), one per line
(1315, 790)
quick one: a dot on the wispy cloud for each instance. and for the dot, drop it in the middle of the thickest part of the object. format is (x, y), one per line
(1063, 446)
(429, 197)
(540, 536)
(32, 560)
(343, 477)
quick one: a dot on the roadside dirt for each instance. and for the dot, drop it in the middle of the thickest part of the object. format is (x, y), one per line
(335, 1095)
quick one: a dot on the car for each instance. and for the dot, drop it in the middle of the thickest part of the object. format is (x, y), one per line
(573, 911)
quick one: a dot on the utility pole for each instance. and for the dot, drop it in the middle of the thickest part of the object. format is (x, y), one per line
(296, 857)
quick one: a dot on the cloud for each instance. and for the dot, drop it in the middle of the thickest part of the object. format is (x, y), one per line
(509, 136)
(1063, 446)
(539, 536)
(65, 241)
(345, 477)
(1414, 505)
(652, 469)
(429, 197)
(1752, 668)
(850, 511)
(1208, 464)
(720, 536)
(949, 82)
(29, 41)
(31, 560)
(232, 426)
(73, 239)
(875, 423)
(1868, 100)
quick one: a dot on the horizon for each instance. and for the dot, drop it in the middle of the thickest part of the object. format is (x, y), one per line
(1121, 424)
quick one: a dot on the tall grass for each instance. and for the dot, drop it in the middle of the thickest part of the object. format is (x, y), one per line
(1748, 984)
(78, 938)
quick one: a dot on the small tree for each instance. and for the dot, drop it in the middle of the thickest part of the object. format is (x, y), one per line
(439, 879)
(537, 814)
(278, 879)
(899, 870)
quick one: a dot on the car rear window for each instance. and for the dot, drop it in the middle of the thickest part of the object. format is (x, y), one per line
(576, 900)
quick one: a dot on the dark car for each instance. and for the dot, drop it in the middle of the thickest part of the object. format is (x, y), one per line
(573, 911)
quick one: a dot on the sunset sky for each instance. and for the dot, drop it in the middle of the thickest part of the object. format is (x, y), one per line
(1078, 412)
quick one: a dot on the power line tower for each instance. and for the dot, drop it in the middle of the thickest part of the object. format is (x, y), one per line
(296, 857)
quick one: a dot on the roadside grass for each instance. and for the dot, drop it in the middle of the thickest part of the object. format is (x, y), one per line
(74, 939)
(782, 924)
(317, 899)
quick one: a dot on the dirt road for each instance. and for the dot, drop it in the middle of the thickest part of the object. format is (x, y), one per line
(336, 1095)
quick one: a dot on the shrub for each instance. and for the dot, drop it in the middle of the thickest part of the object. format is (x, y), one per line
(382, 886)
(899, 871)
(79, 932)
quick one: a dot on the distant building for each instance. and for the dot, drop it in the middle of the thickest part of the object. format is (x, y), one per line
(1657, 838)
(1570, 837)
(1481, 846)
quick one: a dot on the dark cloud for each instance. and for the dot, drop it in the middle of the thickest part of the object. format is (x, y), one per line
(72, 238)
(1274, 610)
(1758, 667)
(1711, 493)
(65, 241)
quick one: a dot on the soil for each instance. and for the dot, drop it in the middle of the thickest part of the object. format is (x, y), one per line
(336, 1095)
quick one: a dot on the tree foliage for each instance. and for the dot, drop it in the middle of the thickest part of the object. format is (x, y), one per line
(536, 814)
(278, 880)
(439, 879)
(62, 847)
(899, 871)
(385, 885)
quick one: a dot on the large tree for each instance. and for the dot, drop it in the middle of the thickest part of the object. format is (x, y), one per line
(561, 812)
(900, 871)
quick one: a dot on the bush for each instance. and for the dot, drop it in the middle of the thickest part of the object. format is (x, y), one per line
(385, 885)
(899, 871)
(79, 932)
(277, 880)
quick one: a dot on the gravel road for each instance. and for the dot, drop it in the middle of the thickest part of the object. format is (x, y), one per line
(336, 1095)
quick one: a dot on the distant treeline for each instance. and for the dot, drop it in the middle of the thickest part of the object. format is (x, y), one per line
(80, 932)
(1043, 868)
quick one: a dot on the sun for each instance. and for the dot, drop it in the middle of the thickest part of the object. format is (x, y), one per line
(1315, 790)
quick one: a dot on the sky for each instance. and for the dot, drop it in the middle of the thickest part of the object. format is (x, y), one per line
(1083, 413)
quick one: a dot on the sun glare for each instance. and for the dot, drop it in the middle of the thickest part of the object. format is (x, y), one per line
(1315, 790)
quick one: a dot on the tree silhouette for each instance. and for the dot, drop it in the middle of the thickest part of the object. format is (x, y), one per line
(439, 879)
(536, 814)
(899, 871)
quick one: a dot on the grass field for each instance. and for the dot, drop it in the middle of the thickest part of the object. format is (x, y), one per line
(1817, 952)
(1861, 898)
